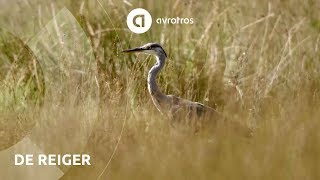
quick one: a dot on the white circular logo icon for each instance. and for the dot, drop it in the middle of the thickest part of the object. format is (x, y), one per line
(139, 20)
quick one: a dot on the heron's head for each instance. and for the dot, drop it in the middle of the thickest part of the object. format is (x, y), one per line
(150, 48)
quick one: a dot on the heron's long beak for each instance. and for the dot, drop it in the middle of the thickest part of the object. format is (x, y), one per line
(138, 49)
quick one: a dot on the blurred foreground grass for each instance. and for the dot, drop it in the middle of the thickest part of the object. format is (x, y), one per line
(257, 62)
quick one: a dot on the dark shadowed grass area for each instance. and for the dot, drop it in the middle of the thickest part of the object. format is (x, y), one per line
(257, 62)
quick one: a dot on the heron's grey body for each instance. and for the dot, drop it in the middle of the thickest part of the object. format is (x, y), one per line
(175, 108)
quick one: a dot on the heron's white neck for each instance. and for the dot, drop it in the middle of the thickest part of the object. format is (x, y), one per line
(152, 84)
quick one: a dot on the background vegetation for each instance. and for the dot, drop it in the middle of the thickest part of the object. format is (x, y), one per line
(258, 62)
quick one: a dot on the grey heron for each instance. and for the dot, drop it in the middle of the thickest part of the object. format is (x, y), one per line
(176, 108)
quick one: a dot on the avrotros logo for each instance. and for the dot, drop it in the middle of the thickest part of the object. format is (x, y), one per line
(139, 20)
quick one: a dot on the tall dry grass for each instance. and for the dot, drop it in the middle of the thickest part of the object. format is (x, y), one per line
(256, 62)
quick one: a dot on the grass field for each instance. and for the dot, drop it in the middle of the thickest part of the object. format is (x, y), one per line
(257, 62)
